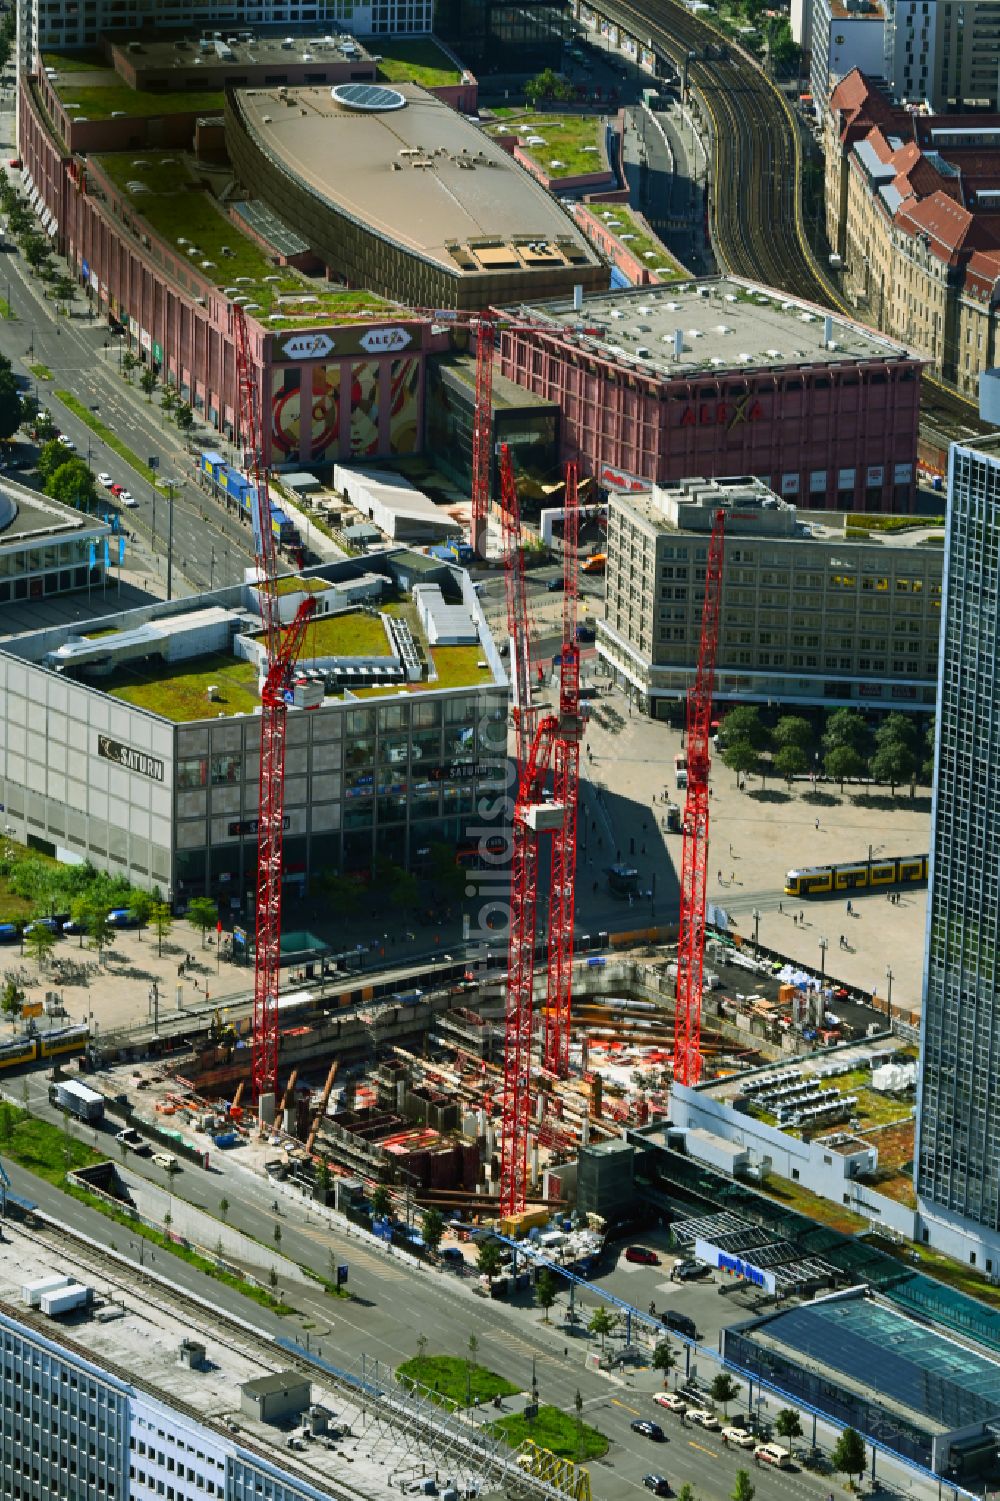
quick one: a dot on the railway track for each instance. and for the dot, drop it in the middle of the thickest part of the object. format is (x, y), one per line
(755, 211)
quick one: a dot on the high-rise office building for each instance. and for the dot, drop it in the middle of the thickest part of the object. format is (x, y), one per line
(958, 1127)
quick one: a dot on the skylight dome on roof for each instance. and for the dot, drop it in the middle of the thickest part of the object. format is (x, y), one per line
(371, 98)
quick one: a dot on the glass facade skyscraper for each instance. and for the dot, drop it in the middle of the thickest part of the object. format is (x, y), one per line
(958, 1149)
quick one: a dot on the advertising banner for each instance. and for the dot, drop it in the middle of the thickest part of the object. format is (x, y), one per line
(286, 413)
(404, 410)
(365, 380)
(325, 433)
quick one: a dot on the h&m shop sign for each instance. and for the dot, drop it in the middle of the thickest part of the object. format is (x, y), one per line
(727, 414)
(370, 341)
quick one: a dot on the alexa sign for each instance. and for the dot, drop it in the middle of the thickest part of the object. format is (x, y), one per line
(307, 346)
(384, 340)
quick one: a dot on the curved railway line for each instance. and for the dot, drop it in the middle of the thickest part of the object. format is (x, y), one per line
(755, 209)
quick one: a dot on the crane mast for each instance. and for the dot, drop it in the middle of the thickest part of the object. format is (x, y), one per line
(282, 653)
(694, 856)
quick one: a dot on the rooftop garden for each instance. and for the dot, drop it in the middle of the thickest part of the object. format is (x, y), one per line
(560, 145)
(291, 583)
(415, 60)
(161, 190)
(648, 250)
(91, 89)
(179, 690)
(354, 634)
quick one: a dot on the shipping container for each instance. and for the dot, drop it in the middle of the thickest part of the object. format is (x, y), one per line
(64, 1300)
(31, 1292)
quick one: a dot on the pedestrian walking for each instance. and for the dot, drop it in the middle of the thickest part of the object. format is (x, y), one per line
(850, 909)
(817, 825)
(780, 907)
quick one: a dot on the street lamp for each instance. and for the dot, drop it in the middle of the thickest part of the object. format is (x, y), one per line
(890, 977)
(755, 914)
(824, 944)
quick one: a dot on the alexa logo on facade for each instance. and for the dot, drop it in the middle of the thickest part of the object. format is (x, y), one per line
(384, 340)
(307, 346)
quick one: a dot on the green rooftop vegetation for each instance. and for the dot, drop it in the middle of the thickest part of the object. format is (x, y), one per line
(161, 190)
(458, 667)
(109, 95)
(415, 60)
(353, 634)
(648, 251)
(87, 60)
(576, 142)
(179, 690)
(291, 583)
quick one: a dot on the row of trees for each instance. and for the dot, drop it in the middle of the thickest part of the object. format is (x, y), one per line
(172, 403)
(66, 477)
(92, 920)
(846, 749)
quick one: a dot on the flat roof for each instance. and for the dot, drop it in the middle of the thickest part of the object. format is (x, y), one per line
(905, 1364)
(725, 323)
(238, 47)
(421, 176)
(27, 516)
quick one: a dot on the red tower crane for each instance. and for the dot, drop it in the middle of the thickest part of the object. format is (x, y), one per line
(694, 858)
(482, 432)
(566, 795)
(556, 747)
(283, 650)
(519, 628)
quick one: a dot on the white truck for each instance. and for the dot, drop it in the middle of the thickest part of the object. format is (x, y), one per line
(86, 1104)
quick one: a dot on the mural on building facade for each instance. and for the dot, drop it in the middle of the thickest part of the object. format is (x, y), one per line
(286, 413)
(325, 437)
(364, 408)
(404, 410)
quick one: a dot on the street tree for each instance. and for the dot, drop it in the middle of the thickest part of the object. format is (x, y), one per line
(11, 405)
(277, 1234)
(8, 1120)
(893, 762)
(45, 428)
(73, 485)
(792, 729)
(686, 1492)
(99, 930)
(321, 1177)
(129, 362)
(11, 997)
(846, 727)
(546, 1291)
(224, 1207)
(849, 1453)
(743, 1489)
(543, 86)
(789, 761)
(141, 907)
(40, 941)
(898, 729)
(184, 417)
(787, 1424)
(744, 723)
(148, 381)
(433, 1229)
(740, 757)
(489, 1258)
(161, 920)
(664, 1360)
(169, 400)
(601, 1323)
(473, 1350)
(51, 457)
(725, 1390)
(203, 914)
(842, 762)
(380, 1201)
(35, 250)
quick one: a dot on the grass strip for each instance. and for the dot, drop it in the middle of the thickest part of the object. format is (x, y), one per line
(40, 372)
(453, 1381)
(51, 1152)
(105, 433)
(555, 1430)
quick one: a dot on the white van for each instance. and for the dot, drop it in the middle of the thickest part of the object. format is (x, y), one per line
(774, 1454)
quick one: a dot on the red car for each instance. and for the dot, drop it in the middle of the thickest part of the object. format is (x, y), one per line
(118, 489)
(16, 163)
(642, 1256)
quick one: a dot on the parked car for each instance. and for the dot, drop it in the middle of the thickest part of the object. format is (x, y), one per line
(658, 1484)
(452, 1253)
(741, 1437)
(686, 1270)
(681, 1323)
(42, 922)
(648, 1429)
(66, 442)
(555, 585)
(671, 1401)
(105, 480)
(128, 501)
(166, 1160)
(15, 162)
(773, 1454)
(118, 490)
(705, 1418)
(642, 1256)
